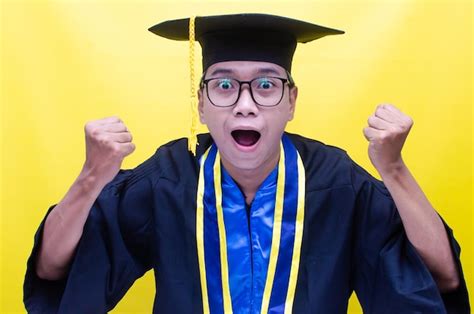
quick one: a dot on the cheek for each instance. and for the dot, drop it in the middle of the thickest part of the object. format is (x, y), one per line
(288, 116)
(207, 114)
(214, 120)
(278, 121)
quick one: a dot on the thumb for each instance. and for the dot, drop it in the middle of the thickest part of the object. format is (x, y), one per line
(370, 133)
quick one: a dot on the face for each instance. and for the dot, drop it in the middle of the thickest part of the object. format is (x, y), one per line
(248, 135)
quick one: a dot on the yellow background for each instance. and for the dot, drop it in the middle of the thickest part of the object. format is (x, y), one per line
(67, 62)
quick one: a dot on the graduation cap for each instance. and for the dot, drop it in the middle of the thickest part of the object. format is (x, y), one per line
(240, 37)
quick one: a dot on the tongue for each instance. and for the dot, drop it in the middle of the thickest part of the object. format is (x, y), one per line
(246, 137)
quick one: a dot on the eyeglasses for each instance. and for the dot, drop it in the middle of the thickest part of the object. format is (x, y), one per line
(265, 91)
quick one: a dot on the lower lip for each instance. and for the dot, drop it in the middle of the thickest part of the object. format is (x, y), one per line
(246, 149)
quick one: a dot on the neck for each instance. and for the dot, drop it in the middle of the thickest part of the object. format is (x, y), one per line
(249, 180)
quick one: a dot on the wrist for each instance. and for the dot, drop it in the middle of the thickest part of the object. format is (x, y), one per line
(88, 181)
(393, 170)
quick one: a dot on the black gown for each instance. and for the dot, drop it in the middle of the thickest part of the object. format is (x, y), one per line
(145, 218)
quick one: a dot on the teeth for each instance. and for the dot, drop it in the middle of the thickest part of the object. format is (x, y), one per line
(246, 137)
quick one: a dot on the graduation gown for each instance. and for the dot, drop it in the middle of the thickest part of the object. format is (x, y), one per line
(145, 218)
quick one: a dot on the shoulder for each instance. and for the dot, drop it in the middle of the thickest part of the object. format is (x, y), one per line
(171, 161)
(176, 163)
(326, 166)
(329, 166)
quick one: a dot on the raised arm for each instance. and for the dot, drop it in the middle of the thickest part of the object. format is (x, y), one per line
(108, 142)
(387, 132)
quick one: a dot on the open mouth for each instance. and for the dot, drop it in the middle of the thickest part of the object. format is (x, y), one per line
(246, 137)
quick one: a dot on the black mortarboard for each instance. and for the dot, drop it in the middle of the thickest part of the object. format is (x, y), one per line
(248, 37)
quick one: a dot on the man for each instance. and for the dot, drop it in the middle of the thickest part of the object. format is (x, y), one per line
(259, 220)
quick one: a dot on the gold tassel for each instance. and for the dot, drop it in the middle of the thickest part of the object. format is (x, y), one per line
(192, 138)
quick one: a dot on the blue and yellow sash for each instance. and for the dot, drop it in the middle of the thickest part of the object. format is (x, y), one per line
(214, 246)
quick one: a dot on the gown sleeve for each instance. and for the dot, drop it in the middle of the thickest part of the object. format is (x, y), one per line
(389, 275)
(114, 250)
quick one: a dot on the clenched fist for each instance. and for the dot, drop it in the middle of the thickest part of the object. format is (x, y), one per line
(387, 131)
(108, 142)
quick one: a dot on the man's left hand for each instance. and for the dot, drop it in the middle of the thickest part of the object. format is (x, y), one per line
(387, 131)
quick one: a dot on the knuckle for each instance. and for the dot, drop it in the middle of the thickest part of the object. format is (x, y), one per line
(95, 132)
(102, 140)
(88, 126)
(116, 150)
(384, 137)
(400, 129)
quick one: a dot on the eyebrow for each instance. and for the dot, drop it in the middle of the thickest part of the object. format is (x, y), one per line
(259, 71)
(268, 71)
(221, 71)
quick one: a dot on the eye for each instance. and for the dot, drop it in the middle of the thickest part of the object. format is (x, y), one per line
(224, 84)
(265, 83)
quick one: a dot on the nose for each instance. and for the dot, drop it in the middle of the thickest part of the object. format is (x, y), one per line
(245, 106)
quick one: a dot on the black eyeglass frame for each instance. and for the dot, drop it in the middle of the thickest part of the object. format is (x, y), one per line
(288, 80)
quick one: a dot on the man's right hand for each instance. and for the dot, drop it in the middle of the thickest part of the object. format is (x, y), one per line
(108, 142)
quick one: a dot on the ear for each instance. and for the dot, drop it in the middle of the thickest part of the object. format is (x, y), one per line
(293, 96)
(201, 107)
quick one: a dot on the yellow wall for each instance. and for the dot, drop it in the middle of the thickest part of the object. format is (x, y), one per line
(67, 62)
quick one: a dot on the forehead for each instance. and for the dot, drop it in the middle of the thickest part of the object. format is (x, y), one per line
(245, 69)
